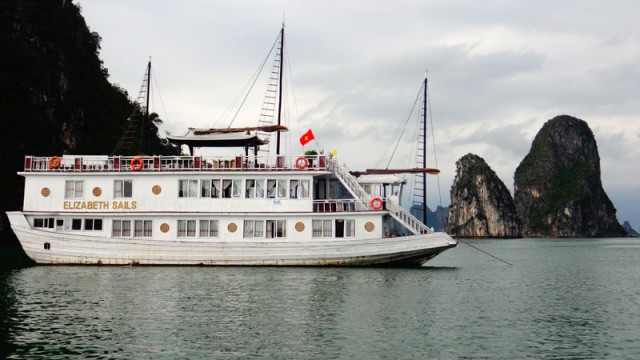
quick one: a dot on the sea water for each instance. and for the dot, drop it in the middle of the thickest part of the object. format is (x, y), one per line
(561, 299)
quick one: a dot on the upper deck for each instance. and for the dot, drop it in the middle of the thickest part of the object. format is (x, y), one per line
(156, 163)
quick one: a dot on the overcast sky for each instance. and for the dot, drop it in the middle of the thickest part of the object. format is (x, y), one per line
(497, 70)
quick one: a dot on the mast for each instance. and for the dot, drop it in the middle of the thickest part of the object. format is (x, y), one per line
(424, 150)
(145, 115)
(280, 87)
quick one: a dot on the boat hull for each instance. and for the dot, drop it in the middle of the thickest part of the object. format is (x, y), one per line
(48, 247)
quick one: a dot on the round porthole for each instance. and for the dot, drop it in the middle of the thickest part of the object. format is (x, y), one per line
(156, 189)
(97, 191)
(300, 226)
(232, 227)
(369, 226)
(45, 191)
(164, 227)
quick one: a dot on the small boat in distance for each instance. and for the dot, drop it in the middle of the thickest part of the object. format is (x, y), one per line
(248, 209)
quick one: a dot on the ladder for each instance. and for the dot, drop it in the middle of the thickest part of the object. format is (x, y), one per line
(271, 98)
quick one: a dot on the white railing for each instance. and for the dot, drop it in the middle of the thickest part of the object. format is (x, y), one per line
(70, 163)
(405, 218)
(349, 182)
(341, 205)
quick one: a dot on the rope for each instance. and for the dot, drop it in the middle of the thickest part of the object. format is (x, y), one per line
(486, 253)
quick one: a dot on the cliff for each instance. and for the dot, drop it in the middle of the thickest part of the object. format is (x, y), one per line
(55, 94)
(558, 190)
(481, 205)
(630, 230)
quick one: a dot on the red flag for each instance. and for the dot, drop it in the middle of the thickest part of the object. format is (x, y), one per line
(308, 136)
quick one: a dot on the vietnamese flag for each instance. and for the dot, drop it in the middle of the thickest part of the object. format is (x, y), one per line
(308, 136)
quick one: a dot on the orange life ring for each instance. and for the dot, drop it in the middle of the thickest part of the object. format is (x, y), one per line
(376, 203)
(136, 163)
(54, 162)
(302, 162)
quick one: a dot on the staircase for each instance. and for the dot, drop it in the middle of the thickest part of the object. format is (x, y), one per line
(397, 212)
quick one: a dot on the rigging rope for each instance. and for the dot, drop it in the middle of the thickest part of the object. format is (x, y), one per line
(255, 78)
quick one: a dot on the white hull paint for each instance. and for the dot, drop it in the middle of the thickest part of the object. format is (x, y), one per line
(72, 249)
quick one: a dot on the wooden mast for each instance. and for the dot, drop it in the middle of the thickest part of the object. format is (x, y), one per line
(280, 75)
(424, 151)
(145, 115)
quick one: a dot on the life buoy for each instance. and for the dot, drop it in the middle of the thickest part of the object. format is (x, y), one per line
(301, 162)
(54, 162)
(136, 163)
(376, 203)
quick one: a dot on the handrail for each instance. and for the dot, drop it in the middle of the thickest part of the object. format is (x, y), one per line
(94, 163)
(350, 182)
(410, 221)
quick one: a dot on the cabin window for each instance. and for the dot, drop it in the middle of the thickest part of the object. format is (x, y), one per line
(299, 189)
(186, 228)
(205, 188)
(345, 228)
(322, 228)
(43, 223)
(93, 224)
(276, 188)
(254, 228)
(122, 188)
(255, 189)
(237, 188)
(227, 185)
(142, 228)
(121, 228)
(208, 228)
(272, 188)
(276, 228)
(74, 189)
(76, 224)
(188, 188)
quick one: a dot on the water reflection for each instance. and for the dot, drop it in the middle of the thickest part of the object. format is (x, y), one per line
(558, 301)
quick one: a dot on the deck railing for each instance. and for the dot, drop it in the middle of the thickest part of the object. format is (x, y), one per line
(69, 163)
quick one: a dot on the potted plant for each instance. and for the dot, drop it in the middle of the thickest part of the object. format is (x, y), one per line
(310, 155)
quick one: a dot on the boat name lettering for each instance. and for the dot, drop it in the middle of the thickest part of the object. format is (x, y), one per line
(99, 205)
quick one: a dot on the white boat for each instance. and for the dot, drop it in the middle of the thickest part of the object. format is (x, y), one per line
(246, 209)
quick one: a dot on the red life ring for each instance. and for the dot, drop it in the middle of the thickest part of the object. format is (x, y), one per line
(54, 162)
(376, 203)
(301, 163)
(136, 163)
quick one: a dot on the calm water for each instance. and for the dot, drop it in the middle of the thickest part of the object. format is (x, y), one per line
(562, 299)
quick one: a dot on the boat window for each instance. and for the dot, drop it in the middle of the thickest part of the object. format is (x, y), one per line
(282, 189)
(188, 188)
(320, 189)
(122, 188)
(237, 188)
(259, 188)
(251, 188)
(226, 188)
(121, 228)
(143, 228)
(76, 224)
(304, 191)
(208, 228)
(322, 228)
(276, 228)
(43, 223)
(272, 188)
(205, 188)
(215, 188)
(293, 187)
(186, 228)
(93, 224)
(74, 189)
(253, 229)
(344, 228)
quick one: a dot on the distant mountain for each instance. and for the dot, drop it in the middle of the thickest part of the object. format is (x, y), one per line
(558, 190)
(630, 231)
(481, 205)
